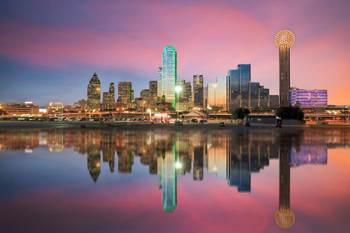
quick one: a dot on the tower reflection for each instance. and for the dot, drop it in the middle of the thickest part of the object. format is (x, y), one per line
(284, 216)
(231, 155)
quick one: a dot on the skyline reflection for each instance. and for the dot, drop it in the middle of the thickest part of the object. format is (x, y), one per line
(230, 155)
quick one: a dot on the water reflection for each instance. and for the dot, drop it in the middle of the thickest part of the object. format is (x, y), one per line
(231, 155)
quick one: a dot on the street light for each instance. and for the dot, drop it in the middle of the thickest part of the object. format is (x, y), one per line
(178, 89)
(150, 113)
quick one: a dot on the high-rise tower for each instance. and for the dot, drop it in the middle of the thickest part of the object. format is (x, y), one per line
(169, 74)
(284, 40)
(94, 92)
(198, 90)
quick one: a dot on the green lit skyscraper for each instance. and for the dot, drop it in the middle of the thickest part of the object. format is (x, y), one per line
(169, 74)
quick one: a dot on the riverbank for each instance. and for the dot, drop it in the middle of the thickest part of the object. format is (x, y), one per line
(138, 125)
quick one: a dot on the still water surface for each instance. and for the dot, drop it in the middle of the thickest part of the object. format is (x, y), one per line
(165, 180)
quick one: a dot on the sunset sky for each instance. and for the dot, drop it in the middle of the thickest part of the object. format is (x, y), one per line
(50, 49)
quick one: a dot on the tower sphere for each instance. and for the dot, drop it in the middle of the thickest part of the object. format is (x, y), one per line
(285, 38)
(284, 219)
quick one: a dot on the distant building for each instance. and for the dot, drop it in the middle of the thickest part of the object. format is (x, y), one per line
(308, 98)
(264, 97)
(169, 74)
(186, 89)
(109, 97)
(125, 92)
(145, 94)
(17, 109)
(55, 107)
(159, 83)
(198, 90)
(274, 101)
(80, 104)
(153, 88)
(254, 90)
(94, 92)
(217, 95)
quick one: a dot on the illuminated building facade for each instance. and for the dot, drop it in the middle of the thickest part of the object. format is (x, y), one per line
(19, 108)
(198, 90)
(217, 93)
(109, 97)
(94, 92)
(284, 40)
(308, 98)
(125, 92)
(169, 74)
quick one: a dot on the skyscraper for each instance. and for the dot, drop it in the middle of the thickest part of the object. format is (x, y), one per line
(217, 95)
(159, 83)
(94, 92)
(284, 40)
(153, 88)
(125, 92)
(169, 74)
(238, 86)
(198, 90)
(109, 97)
(264, 97)
(254, 94)
(186, 89)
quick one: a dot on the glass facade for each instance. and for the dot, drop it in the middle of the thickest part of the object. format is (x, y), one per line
(244, 72)
(221, 92)
(264, 97)
(234, 89)
(254, 94)
(238, 86)
(159, 83)
(169, 74)
(308, 98)
(198, 90)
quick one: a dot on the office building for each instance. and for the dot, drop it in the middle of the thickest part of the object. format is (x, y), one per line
(284, 40)
(94, 92)
(186, 90)
(308, 98)
(238, 86)
(198, 90)
(217, 94)
(109, 97)
(159, 83)
(254, 90)
(169, 74)
(274, 101)
(264, 97)
(125, 92)
(145, 94)
(153, 88)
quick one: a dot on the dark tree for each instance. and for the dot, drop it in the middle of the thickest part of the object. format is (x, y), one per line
(240, 113)
(294, 113)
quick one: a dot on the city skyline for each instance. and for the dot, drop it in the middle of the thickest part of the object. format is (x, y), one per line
(43, 54)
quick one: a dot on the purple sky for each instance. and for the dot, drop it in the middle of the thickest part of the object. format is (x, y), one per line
(50, 49)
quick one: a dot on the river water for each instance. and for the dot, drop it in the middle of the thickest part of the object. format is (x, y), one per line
(175, 180)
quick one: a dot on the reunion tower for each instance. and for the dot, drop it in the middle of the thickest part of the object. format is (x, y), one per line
(284, 40)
